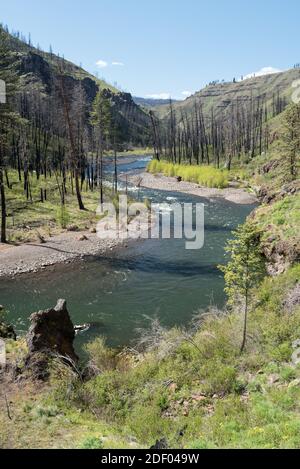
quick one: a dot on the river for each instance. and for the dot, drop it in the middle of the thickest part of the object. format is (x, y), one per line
(119, 293)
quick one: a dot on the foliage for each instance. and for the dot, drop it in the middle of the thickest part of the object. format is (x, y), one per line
(91, 443)
(246, 266)
(292, 138)
(207, 176)
(201, 393)
(245, 269)
(101, 115)
(101, 358)
(63, 217)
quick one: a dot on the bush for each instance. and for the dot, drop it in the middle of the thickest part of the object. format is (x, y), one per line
(101, 357)
(207, 176)
(92, 443)
(62, 217)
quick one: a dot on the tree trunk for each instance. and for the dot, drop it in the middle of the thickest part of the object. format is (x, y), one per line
(245, 323)
(78, 193)
(116, 172)
(3, 208)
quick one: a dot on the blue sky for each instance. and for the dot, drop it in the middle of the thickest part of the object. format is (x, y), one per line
(163, 47)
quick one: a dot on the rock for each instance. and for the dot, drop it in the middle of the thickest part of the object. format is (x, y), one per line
(172, 387)
(270, 166)
(161, 444)
(93, 230)
(295, 383)
(82, 238)
(179, 179)
(41, 238)
(296, 344)
(273, 379)
(52, 330)
(72, 228)
(296, 356)
(292, 300)
(198, 397)
(38, 366)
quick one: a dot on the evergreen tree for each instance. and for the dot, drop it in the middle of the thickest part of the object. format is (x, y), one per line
(244, 271)
(101, 120)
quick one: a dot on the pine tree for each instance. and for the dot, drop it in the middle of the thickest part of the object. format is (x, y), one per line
(101, 120)
(244, 271)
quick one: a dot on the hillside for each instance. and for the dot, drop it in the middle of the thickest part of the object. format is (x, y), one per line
(150, 102)
(38, 70)
(220, 96)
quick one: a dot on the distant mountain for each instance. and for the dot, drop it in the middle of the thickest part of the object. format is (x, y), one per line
(150, 102)
(39, 69)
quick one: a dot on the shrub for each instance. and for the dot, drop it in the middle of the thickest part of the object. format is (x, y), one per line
(101, 357)
(207, 176)
(62, 217)
(92, 443)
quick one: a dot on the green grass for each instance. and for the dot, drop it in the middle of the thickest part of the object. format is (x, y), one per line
(207, 176)
(27, 218)
(198, 391)
(280, 220)
(138, 151)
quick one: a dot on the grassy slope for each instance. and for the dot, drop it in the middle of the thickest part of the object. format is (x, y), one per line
(199, 393)
(219, 96)
(77, 72)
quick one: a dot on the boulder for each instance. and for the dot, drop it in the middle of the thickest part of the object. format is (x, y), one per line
(52, 331)
(83, 238)
(160, 444)
(72, 228)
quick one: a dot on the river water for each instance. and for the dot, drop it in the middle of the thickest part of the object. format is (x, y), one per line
(119, 293)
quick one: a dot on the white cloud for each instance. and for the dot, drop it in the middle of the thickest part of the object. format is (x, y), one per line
(159, 96)
(101, 64)
(118, 64)
(263, 71)
(186, 94)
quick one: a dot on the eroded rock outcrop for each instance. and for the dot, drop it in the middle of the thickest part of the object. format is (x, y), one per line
(51, 334)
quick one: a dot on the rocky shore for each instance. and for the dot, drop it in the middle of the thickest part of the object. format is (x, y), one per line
(64, 248)
(157, 181)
